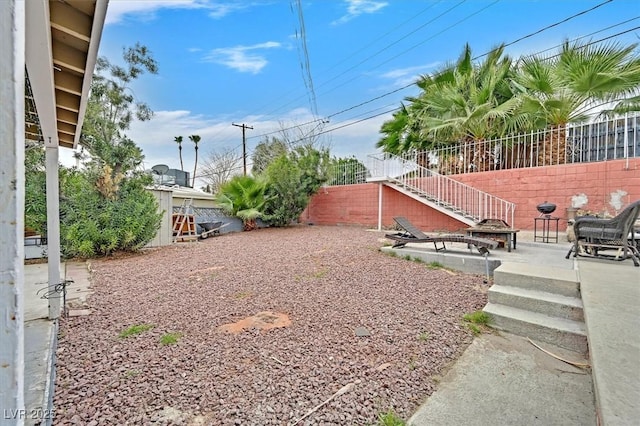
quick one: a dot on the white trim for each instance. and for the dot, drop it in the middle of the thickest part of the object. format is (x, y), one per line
(92, 56)
(39, 61)
(53, 227)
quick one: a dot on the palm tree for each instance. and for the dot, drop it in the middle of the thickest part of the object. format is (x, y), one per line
(178, 140)
(196, 140)
(468, 103)
(566, 87)
(243, 197)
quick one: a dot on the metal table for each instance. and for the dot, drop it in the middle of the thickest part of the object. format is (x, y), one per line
(544, 232)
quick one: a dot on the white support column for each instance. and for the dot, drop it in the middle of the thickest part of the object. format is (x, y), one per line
(12, 76)
(380, 206)
(53, 226)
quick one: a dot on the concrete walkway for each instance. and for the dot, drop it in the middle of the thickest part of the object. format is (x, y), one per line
(505, 380)
(502, 379)
(611, 298)
(40, 335)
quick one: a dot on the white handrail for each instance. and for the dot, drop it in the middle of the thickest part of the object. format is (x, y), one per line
(439, 189)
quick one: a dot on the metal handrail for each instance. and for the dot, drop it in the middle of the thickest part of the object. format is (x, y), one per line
(462, 199)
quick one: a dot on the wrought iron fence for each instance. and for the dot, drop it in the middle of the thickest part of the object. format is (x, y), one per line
(613, 139)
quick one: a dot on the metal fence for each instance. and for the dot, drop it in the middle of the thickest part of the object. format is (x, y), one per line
(439, 189)
(604, 140)
(578, 143)
(349, 173)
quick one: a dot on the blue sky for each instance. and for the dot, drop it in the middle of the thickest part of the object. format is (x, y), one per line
(224, 62)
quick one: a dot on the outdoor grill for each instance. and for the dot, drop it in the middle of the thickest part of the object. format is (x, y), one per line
(546, 208)
(546, 221)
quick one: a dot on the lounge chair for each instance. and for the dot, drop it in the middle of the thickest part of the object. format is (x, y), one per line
(595, 236)
(411, 234)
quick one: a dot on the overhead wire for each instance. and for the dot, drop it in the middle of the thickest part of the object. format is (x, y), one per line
(396, 109)
(479, 56)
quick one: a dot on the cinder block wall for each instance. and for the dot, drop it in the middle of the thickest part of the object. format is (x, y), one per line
(597, 187)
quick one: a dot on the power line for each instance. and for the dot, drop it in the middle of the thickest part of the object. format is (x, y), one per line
(479, 56)
(555, 24)
(446, 29)
(396, 109)
(303, 52)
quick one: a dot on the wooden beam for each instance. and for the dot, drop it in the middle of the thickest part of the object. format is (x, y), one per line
(66, 116)
(68, 57)
(65, 140)
(70, 20)
(67, 101)
(68, 82)
(64, 38)
(67, 128)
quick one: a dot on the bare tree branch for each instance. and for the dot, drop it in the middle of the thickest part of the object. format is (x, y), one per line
(219, 167)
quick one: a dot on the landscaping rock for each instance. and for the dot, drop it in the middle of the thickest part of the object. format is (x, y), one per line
(329, 281)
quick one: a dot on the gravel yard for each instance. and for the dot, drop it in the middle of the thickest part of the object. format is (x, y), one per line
(330, 282)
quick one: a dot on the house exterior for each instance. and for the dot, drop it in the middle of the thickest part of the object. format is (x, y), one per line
(49, 50)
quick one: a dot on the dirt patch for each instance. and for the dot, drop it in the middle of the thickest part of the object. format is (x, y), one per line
(264, 321)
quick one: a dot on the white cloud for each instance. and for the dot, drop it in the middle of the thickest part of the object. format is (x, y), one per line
(356, 8)
(146, 9)
(156, 136)
(242, 58)
(404, 76)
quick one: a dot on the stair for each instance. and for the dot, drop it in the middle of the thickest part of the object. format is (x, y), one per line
(453, 198)
(542, 304)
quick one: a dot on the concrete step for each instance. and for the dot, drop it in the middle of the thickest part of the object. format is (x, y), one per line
(561, 332)
(542, 302)
(534, 277)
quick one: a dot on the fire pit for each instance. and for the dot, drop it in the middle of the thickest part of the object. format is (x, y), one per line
(495, 229)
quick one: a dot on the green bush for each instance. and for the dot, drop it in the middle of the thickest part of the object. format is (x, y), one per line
(92, 225)
(292, 179)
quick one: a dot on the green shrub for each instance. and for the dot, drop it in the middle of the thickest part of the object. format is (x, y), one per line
(92, 225)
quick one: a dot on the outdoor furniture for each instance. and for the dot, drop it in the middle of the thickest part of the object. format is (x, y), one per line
(593, 236)
(496, 229)
(411, 234)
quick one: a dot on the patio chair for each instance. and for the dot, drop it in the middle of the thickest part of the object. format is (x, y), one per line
(412, 234)
(593, 236)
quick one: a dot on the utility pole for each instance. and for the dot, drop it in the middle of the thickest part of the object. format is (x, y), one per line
(244, 144)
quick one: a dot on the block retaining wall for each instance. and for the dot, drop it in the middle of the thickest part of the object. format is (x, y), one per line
(597, 187)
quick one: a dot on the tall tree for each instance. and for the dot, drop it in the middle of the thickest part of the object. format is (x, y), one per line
(105, 207)
(266, 152)
(112, 107)
(178, 140)
(196, 140)
(469, 103)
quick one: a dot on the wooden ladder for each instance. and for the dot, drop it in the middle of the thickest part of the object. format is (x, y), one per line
(184, 217)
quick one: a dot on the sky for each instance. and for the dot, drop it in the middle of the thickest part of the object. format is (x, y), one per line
(338, 67)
